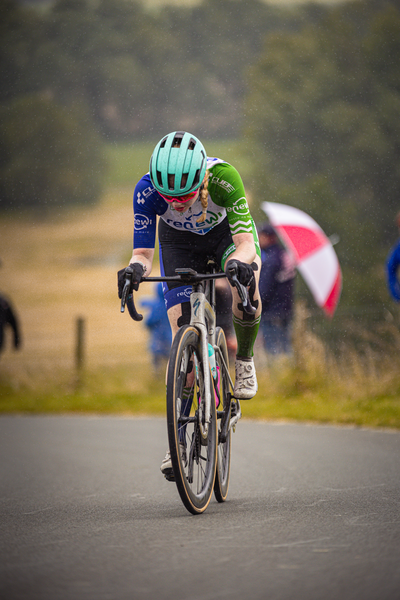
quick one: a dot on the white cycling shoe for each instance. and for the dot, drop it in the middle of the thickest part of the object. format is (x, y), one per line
(166, 465)
(246, 385)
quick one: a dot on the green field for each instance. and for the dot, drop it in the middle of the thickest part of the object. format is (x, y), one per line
(129, 161)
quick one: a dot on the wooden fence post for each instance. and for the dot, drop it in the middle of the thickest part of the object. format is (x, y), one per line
(80, 344)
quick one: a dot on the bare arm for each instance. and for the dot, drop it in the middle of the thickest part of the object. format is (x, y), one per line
(245, 248)
(144, 256)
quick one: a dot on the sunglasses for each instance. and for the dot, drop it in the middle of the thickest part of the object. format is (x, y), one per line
(184, 198)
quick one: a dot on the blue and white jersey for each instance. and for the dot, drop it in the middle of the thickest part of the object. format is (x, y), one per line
(147, 204)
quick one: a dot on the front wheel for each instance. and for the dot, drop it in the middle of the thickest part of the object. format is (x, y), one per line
(193, 446)
(224, 412)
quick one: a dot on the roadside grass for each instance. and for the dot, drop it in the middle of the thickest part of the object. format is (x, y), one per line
(101, 392)
(283, 396)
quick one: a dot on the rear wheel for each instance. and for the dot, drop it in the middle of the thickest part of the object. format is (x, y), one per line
(193, 445)
(221, 484)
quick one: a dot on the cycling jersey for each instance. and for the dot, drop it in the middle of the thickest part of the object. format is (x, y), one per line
(226, 199)
(181, 249)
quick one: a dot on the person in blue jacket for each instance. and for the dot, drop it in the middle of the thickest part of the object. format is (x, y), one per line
(158, 324)
(277, 281)
(392, 267)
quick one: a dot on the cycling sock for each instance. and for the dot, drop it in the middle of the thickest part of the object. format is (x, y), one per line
(187, 397)
(246, 333)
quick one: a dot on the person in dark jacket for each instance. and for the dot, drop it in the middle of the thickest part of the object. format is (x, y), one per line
(8, 318)
(392, 267)
(277, 283)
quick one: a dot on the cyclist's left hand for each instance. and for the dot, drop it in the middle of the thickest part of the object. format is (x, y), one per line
(245, 272)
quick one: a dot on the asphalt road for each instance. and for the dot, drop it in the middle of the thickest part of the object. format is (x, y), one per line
(313, 512)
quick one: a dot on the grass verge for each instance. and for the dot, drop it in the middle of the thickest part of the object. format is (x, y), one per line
(280, 397)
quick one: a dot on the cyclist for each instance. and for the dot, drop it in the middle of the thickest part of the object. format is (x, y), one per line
(203, 214)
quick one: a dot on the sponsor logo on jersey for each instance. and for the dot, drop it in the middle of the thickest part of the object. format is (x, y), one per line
(189, 225)
(148, 191)
(141, 196)
(185, 294)
(240, 207)
(222, 183)
(228, 252)
(141, 222)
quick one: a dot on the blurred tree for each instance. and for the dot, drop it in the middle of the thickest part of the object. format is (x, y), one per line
(139, 72)
(50, 155)
(218, 40)
(20, 34)
(323, 114)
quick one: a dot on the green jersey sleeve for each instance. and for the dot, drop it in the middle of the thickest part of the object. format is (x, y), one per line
(226, 189)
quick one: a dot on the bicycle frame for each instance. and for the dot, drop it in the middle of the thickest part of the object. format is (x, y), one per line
(201, 310)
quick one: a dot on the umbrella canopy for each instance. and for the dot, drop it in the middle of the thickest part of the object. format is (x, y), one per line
(312, 250)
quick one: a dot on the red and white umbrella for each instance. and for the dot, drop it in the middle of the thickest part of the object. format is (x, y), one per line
(312, 250)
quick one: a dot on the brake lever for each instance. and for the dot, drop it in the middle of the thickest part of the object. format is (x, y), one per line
(125, 291)
(127, 298)
(243, 293)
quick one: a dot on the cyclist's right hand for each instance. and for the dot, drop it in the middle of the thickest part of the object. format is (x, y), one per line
(243, 272)
(137, 271)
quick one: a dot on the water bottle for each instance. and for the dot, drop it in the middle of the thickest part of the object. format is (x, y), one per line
(211, 358)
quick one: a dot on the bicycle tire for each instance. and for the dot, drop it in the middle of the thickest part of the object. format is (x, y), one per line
(222, 475)
(193, 455)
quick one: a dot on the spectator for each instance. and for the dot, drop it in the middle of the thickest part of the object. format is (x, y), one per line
(160, 330)
(392, 267)
(276, 286)
(8, 317)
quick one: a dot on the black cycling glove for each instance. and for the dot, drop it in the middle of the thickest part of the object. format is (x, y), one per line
(137, 274)
(245, 272)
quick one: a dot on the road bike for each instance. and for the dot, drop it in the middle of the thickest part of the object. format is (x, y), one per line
(201, 409)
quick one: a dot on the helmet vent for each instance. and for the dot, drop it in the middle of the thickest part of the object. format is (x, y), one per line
(159, 178)
(177, 139)
(196, 177)
(192, 144)
(162, 144)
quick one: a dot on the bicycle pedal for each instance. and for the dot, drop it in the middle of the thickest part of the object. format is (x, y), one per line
(169, 476)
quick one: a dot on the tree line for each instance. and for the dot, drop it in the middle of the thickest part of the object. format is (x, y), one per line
(110, 69)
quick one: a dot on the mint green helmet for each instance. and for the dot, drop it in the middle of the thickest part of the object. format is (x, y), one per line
(178, 164)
